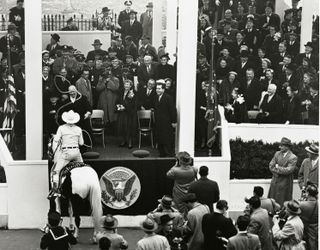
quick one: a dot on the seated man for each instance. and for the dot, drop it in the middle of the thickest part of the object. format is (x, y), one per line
(66, 147)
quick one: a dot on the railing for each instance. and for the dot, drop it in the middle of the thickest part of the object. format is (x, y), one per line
(4, 21)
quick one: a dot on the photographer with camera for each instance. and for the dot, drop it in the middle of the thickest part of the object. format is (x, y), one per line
(56, 236)
(290, 236)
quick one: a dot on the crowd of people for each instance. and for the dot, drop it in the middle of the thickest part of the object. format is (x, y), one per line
(195, 217)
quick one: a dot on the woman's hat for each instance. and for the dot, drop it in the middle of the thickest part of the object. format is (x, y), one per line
(166, 55)
(184, 158)
(166, 201)
(285, 141)
(70, 117)
(313, 149)
(292, 207)
(164, 219)
(109, 222)
(148, 225)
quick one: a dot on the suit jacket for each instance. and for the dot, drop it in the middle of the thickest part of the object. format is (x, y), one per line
(165, 71)
(148, 50)
(93, 53)
(147, 101)
(292, 110)
(252, 38)
(132, 50)
(290, 235)
(144, 75)
(271, 45)
(273, 21)
(273, 107)
(281, 186)
(252, 92)
(84, 87)
(244, 241)
(293, 49)
(259, 225)
(206, 190)
(146, 23)
(165, 113)
(134, 30)
(242, 70)
(16, 48)
(276, 58)
(216, 225)
(123, 16)
(308, 173)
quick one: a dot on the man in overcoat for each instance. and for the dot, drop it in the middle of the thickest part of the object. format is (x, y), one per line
(165, 114)
(282, 167)
(146, 21)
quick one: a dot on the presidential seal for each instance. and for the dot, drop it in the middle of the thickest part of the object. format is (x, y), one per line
(120, 188)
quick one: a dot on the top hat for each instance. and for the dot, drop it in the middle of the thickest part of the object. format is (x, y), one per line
(313, 149)
(70, 117)
(166, 201)
(164, 219)
(292, 207)
(148, 225)
(190, 197)
(109, 222)
(105, 9)
(150, 4)
(309, 44)
(56, 37)
(184, 158)
(285, 141)
(128, 2)
(96, 42)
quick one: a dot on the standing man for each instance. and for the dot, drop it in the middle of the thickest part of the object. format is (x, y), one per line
(124, 15)
(97, 52)
(194, 217)
(146, 21)
(16, 16)
(165, 114)
(309, 170)
(53, 47)
(83, 85)
(282, 167)
(217, 228)
(206, 190)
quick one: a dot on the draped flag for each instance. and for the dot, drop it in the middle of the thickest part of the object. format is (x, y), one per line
(9, 110)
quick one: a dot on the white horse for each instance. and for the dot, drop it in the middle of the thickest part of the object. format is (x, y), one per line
(81, 183)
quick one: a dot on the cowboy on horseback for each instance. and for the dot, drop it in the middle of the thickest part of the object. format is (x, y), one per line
(66, 143)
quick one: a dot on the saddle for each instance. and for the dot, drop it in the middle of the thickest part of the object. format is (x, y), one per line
(71, 165)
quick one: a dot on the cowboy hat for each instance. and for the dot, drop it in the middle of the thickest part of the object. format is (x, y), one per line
(148, 225)
(110, 222)
(285, 141)
(184, 158)
(292, 207)
(313, 149)
(70, 117)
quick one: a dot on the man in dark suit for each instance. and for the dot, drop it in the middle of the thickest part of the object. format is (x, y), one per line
(16, 16)
(271, 107)
(97, 52)
(206, 190)
(146, 71)
(54, 45)
(244, 240)
(251, 36)
(147, 96)
(251, 89)
(309, 54)
(293, 44)
(216, 226)
(165, 114)
(242, 65)
(147, 49)
(125, 14)
(269, 19)
(277, 57)
(130, 47)
(288, 78)
(132, 28)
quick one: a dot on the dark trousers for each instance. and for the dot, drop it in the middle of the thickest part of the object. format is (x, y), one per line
(166, 150)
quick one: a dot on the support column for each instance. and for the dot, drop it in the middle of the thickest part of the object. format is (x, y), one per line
(309, 8)
(171, 29)
(33, 45)
(157, 24)
(186, 74)
(281, 6)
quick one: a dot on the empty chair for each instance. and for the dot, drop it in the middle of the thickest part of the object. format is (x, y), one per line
(144, 125)
(97, 123)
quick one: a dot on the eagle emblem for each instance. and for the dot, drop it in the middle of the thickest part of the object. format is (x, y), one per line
(120, 188)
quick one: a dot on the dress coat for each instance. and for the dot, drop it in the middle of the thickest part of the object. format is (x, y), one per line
(216, 225)
(123, 16)
(146, 22)
(165, 113)
(282, 176)
(244, 241)
(273, 107)
(259, 225)
(108, 96)
(308, 173)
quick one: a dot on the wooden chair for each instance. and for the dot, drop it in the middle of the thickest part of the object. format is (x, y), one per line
(97, 123)
(144, 125)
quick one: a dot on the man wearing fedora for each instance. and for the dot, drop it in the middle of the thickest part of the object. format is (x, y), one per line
(66, 144)
(309, 53)
(97, 51)
(147, 49)
(109, 226)
(105, 22)
(124, 15)
(152, 241)
(282, 167)
(146, 21)
(53, 47)
(290, 236)
(309, 170)
(70, 26)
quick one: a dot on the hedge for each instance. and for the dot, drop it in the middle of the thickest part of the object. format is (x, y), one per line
(250, 159)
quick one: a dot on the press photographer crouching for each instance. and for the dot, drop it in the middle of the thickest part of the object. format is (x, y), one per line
(290, 236)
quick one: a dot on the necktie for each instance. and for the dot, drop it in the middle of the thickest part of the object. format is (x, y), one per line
(291, 43)
(148, 69)
(159, 98)
(148, 92)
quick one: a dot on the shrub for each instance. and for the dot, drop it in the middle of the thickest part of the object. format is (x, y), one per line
(250, 159)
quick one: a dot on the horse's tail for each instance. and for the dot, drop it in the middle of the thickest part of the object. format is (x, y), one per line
(95, 201)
